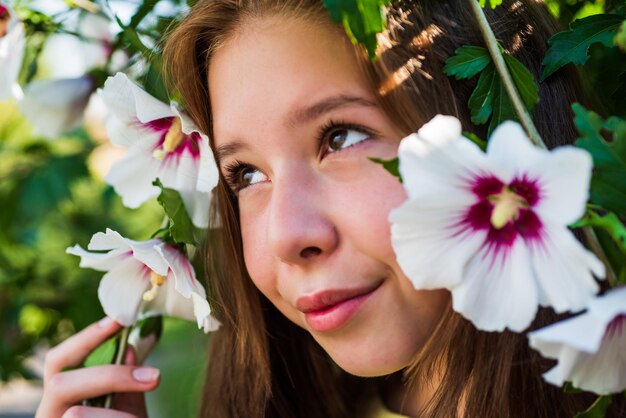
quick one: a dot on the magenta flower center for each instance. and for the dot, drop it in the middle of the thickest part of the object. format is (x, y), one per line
(5, 16)
(505, 211)
(173, 141)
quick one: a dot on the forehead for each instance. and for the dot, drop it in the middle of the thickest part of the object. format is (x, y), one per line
(274, 68)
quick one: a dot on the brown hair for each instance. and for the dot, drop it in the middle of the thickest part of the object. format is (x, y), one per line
(261, 364)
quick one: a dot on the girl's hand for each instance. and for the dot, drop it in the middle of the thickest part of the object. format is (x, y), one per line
(65, 390)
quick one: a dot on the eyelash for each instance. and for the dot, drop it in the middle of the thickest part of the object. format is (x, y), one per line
(234, 170)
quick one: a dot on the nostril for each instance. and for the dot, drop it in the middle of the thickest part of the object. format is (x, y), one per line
(310, 252)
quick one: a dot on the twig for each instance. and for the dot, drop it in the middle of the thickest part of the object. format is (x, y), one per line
(119, 359)
(505, 75)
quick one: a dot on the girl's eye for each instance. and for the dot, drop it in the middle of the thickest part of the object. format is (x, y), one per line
(239, 176)
(336, 136)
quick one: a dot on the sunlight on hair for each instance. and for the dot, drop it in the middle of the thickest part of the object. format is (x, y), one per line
(402, 74)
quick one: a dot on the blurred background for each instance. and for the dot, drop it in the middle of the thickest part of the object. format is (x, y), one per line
(54, 153)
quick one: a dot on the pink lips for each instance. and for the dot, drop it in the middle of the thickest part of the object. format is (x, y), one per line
(330, 309)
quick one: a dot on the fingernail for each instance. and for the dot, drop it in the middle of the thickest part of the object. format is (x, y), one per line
(146, 374)
(105, 322)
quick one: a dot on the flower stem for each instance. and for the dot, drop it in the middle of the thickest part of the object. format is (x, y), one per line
(119, 359)
(594, 245)
(505, 75)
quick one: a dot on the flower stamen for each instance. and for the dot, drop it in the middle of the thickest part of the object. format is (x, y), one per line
(173, 138)
(157, 281)
(507, 205)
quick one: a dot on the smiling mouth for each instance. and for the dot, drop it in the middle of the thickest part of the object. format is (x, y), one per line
(330, 309)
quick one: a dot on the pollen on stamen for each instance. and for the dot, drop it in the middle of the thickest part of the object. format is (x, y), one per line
(157, 281)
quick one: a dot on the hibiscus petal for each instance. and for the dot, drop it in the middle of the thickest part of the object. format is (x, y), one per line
(169, 302)
(583, 333)
(510, 147)
(132, 177)
(197, 206)
(427, 166)
(183, 274)
(428, 247)
(564, 268)
(148, 253)
(97, 261)
(121, 291)
(208, 173)
(564, 176)
(497, 291)
(202, 311)
(129, 102)
(109, 240)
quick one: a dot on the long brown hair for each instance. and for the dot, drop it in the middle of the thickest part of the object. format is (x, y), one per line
(261, 364)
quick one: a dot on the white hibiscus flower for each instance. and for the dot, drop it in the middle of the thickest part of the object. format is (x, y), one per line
(145, 278)
(590, 348)
(162, 143)
(492, 228)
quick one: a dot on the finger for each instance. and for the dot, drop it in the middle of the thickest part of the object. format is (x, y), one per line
(90, 412)
(73, 351)
(71, 387)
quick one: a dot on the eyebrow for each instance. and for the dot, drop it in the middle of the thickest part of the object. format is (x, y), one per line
(300, 116)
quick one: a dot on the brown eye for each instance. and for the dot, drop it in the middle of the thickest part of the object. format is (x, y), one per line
(344, 138)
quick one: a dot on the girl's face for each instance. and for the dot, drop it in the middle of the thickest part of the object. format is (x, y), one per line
(294, 124)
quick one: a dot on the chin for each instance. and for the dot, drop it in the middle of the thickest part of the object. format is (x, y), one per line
(373, 362)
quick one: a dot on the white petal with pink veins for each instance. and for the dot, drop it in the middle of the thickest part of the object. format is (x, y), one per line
(208, 173)
(564, 268)
(498, 291)
(109, 240)
(429, 249)
(169, 302)
(121, 291)
(132, 177)
(564, 176)
(590, 347)
(183, 273)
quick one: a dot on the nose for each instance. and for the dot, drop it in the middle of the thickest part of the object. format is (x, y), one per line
(299, 228)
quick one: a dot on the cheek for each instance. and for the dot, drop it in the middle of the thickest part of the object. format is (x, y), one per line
(365, 212)
(258, 264)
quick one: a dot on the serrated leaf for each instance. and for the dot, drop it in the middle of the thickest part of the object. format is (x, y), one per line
(598, 408)
(573, 46)
(392, 166)
(608, 182)
(181, 228)
(524, 81)
(362, 20)
(467, 62)
(490, 3)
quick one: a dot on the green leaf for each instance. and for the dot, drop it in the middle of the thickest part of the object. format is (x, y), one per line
(392, 166)
(104, 354)
(181, 228)
(467, 62)
(490, 98)
(573, 46)
(599, 217)
(490, 3)
(482, 144)
(524, 81)
(361, 19)
(598, 408)
(151, 325)
(608, 182)
(620, 37)
(146, 7)
(482, 97)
